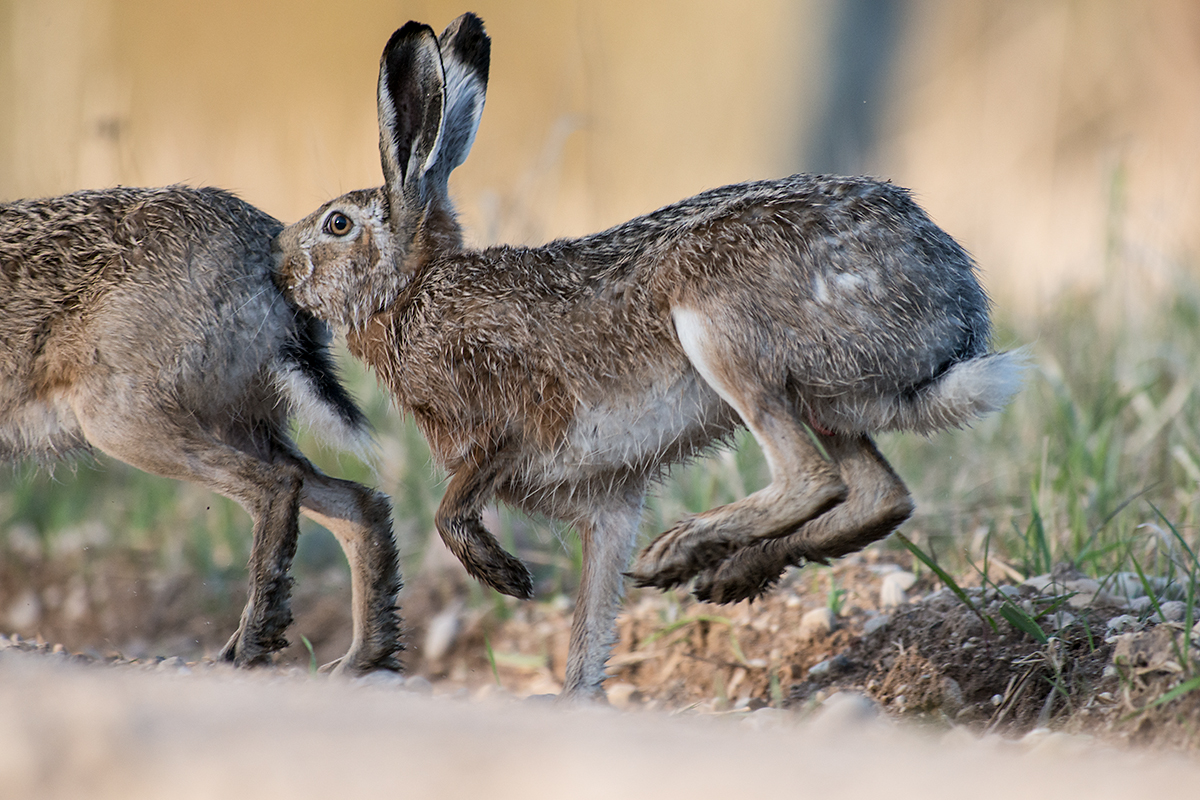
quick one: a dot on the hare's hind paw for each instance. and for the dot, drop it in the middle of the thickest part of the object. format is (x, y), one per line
(752, 571)
(678, 554)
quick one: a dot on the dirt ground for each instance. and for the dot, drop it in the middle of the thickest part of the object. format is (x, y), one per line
(868, 626)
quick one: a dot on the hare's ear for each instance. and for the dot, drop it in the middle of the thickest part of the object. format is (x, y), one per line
(412, 99)
(466, 55)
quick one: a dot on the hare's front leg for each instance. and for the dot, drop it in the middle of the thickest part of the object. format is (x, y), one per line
(361, 521)
(608, 536)
(803, 484)
(460, 524)
(877, 504)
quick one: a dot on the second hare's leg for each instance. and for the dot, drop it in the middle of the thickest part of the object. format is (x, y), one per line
(151, 439)
(361, 521)
(877, 504)
(803, 483)
(608, 538)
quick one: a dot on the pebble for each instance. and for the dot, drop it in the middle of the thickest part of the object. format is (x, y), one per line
(1140, 605)
(622, 695)
(418, 684)
(845, 711)
(829, 665)
(1123, 623)
(1062, 619)
(816, 623)
(876, 623)
(952, 696)
(442, 632)
(765, 718)
(893, 590)
(1172, 611)
(383, 679)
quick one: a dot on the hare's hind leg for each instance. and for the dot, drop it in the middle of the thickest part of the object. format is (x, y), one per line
(877, 504)
(361, 521)
(803, 483)
(150, 438)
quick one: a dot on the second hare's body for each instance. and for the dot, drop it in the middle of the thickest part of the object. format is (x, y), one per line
(563, 379)
(144, 323)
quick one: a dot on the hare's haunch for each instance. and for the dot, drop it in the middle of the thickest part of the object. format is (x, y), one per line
(145, 323)
(563, 379)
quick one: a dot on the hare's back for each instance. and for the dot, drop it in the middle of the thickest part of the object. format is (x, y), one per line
(149, 295)
(839, 286)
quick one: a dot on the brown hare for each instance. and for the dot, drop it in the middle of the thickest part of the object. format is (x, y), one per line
(145, 323)
(563, 379)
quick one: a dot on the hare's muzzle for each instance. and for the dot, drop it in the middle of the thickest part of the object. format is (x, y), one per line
(292, 266)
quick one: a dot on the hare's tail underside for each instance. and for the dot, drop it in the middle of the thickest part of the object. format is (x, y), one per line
(307, 378)
(967, 390)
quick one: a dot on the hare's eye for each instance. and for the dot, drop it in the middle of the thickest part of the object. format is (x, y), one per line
(338, 224)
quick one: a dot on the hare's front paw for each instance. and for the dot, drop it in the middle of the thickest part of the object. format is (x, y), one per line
(675, 557)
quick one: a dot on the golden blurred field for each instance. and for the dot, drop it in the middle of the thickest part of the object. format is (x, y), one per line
(1056, 139)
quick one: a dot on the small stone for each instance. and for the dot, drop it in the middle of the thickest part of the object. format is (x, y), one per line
(1061, 619)
(382, 679)
(418, 684)
(1123, 623)
(622, 695)
(844, 711)
(765, 718)
(828, 666)
(1038, 582)
(442, 632)
(876, 623)
(1139, 605)
(1128, 584)
(893, 590)
(1010, 591)
(1172, 611)
(952, 696)
(816, 623)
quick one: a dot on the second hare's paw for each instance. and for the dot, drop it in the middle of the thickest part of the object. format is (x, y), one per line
(678, 554)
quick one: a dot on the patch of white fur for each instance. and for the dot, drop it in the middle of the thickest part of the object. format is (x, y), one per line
(312, 412)
(968, 390)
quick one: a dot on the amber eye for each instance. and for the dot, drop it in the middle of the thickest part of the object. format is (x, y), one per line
(338, 224)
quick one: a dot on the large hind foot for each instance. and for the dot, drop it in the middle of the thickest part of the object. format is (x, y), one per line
(877, 504)
(701, 542)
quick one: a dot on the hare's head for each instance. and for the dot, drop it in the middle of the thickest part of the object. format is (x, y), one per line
(353, 256)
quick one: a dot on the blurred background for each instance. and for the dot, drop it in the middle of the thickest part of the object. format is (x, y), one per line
(1041, 133)
(1056, 139)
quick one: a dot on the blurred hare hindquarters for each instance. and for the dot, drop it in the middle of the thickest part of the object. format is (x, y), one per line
(563, 379)
(145, 323)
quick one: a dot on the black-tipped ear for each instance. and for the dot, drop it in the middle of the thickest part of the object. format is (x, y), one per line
(466, 56)
(412, 97)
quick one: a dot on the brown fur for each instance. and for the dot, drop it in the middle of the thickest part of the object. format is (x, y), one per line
(144, 323)
(564, 379)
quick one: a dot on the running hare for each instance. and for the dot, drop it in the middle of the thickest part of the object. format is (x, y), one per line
(563, 379)
(145, 323)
